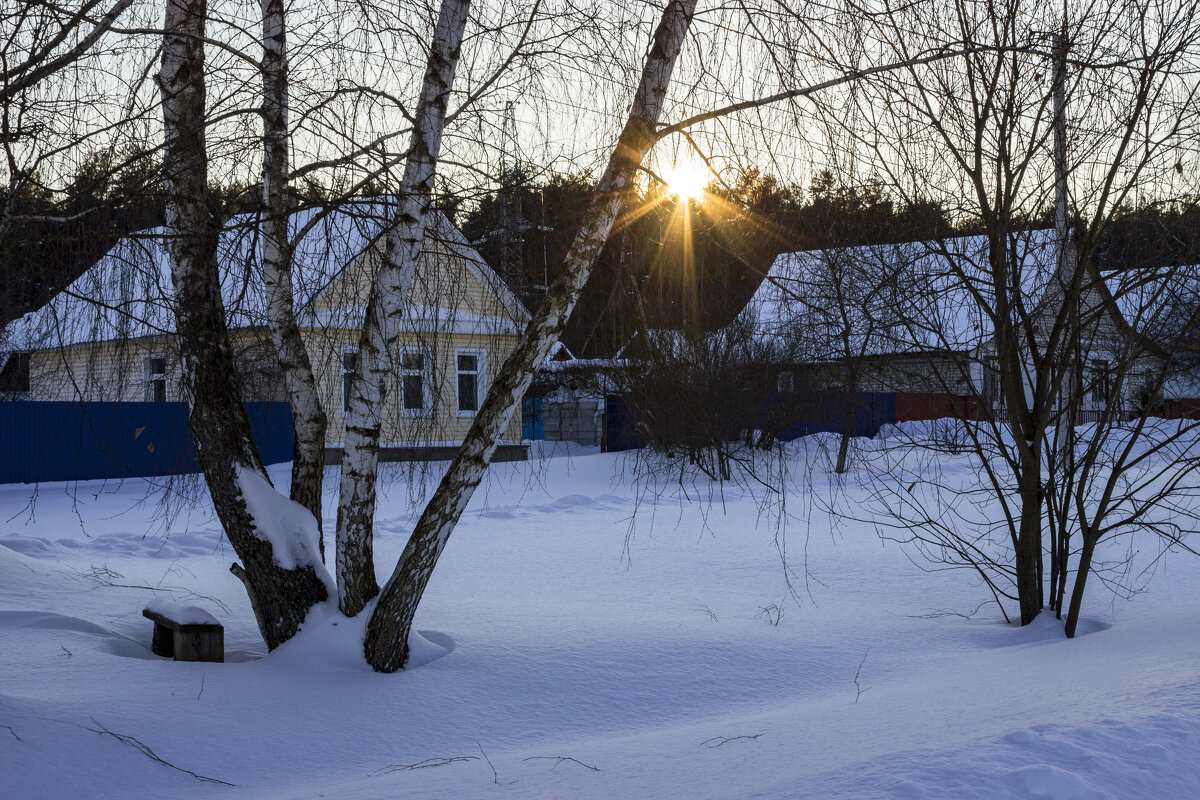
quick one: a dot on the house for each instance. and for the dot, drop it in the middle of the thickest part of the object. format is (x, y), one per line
(109, 336)
(1160, 307)
(567, 400)
(916, 319)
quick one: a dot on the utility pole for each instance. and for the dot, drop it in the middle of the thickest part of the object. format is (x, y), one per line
(508, 235)
(1071, 285)
(510, 231)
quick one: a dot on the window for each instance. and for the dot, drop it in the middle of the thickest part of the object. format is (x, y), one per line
(1101, 383)
(349, 365)
(991, 383)
(416, 383)
(469, 367)
(785, 381)
(154, 378)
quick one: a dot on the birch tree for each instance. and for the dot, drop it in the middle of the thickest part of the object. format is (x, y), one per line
(385, 309)
(280, 569)
(309, 420)
(386, 642)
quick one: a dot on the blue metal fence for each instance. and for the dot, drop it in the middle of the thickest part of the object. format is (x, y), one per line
(816, 412)
(620, 430)
(51, 441)
(825, 412)
(533, 424)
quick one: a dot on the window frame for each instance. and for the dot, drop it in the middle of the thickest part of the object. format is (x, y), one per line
(990, 390)
(480, 373)
(426, 373)
(785, 381)
(347, 375)
(1099, 385)
(150, 378)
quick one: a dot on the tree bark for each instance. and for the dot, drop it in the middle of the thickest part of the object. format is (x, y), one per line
(281, 597)
(308, 417)
(1027, 423)
(1081, 575)
(386, 642)
(385, 310)
(1029, 546)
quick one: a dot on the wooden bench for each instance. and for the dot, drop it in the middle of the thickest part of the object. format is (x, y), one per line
(185, 633)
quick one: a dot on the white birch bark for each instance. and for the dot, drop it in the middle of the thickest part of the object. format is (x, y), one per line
(281, 597)
(385, 309)
(308, 417)
(386, 642)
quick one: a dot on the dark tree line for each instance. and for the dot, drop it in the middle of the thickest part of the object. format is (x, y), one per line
(693, 269)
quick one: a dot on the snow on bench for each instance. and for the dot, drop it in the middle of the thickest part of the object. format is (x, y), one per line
(185, 633)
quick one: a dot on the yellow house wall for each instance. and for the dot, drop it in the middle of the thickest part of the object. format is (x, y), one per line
(112, 371)
(443, 424)
(442, 280)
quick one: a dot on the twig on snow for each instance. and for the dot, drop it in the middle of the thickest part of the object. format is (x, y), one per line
(145, 750)
(772, 613)
(559, 759)
(14, 733)
(718, 741)
(495, 775)
(857, 686)
(938, 613)
(201, 686)
(440, 761)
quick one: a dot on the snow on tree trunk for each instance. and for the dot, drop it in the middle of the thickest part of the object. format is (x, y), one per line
(385, 310)
(281, 593)
(386, 641)
(308, 417)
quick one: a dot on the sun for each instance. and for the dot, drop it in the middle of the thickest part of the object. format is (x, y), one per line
(687, 180)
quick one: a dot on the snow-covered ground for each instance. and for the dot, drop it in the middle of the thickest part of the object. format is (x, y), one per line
(602, 638)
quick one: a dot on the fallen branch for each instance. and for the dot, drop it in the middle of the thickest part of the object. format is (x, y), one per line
(145, 750)
(858, 687)
(440, 761)
(14, 733)
(495, 775)
(103, 576)
(718, 741)
(559, 759)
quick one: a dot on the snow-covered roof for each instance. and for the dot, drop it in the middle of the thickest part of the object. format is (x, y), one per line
(893, 298)
(128, 293)
(1183, 384)
(1161, 303)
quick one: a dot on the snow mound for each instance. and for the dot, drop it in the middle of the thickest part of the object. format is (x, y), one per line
(181, 613)
(1043, 780)
(288, 527)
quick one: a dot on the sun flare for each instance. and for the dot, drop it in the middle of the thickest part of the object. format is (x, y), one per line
(687, 180)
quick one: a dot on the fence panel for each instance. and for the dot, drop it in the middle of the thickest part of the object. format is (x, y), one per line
(620, 430)
(825, 412)
(67, 441)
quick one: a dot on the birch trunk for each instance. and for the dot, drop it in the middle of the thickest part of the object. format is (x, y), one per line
(386, 642)
(280, 597)
(385, 310)
(308, 417)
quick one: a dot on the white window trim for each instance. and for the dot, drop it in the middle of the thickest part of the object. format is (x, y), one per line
(148, 377)
(480, 378)
(343, 372)
(426, 383)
